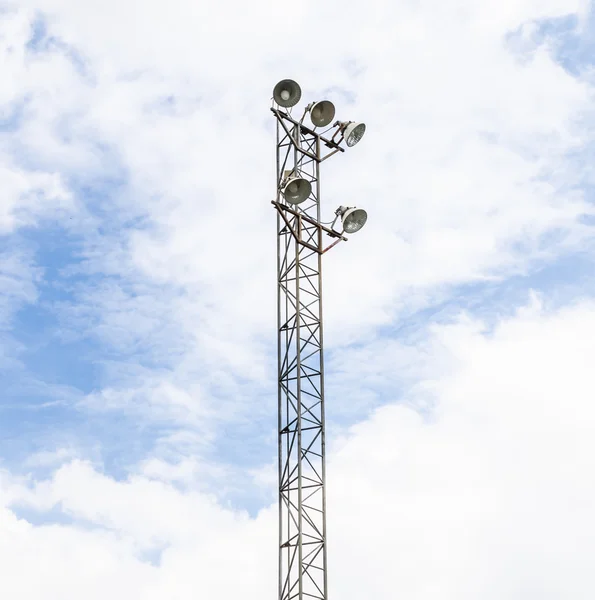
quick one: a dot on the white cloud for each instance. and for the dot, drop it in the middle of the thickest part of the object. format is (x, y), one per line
(27, 196)
(462, 171)
(47, 458)
(487, 496)
(466, 176)
(490, 496)
(30, 192)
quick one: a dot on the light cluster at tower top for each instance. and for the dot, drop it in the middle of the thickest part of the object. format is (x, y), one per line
(287, 93)
(294, 187)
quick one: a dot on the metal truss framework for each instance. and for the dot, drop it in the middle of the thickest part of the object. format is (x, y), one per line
(302, 494)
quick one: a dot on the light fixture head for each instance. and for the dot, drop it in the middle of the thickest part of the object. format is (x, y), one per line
(287, 93)
(296, 190)
(352, 132)
(352, 218)
(322, 113)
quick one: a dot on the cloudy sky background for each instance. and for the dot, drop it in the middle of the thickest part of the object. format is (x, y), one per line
(137, 297)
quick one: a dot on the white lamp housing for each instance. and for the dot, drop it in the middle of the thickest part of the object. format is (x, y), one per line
(353, 132)
(352, 218)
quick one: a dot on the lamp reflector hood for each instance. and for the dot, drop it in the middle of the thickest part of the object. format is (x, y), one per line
(353, 133)
(353, 219)
(322, 113)
(287, 93)
(297, 190)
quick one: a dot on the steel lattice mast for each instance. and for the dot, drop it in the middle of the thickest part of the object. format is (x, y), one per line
(302, 494)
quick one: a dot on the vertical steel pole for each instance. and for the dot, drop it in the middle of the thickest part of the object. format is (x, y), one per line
(302, 500)
(299, 382)
(279, 336)
(321, 354)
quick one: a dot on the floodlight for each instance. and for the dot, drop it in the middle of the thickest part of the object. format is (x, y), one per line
(297, 190)
(287, 93)
(322, 113)
(352, 132)
(352, 218)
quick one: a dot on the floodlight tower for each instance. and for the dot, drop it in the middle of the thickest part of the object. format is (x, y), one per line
(300, 246)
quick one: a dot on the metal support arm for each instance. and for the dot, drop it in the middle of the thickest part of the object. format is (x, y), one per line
(282, 209)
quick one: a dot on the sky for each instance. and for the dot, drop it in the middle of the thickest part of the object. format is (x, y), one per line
(137, 297)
